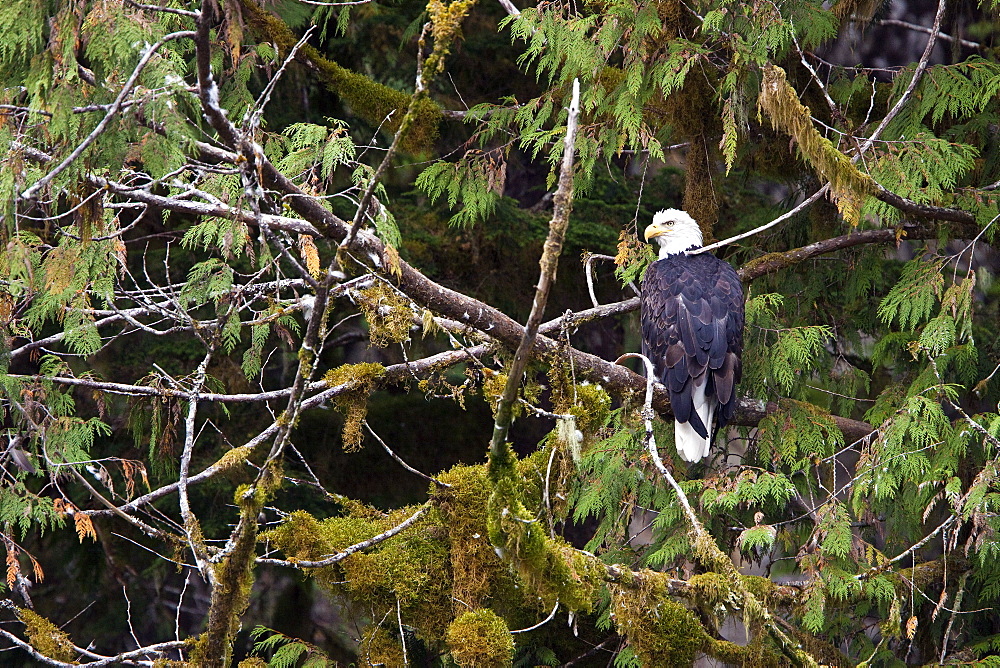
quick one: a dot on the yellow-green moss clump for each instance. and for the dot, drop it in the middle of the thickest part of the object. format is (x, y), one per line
(354, 404)
(552, 569)
(480, 639)
(493, 384)
(591, 408)
(252, 662)
(379, 648)
(477, 571)
(410, 569)
(46, 637)
(388, 314)
(660, 631)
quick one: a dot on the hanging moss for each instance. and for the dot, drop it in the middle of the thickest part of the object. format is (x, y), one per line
(711, 594)
(591, 408)
(480, 639)
(589, 404)
(476, 568)
(354, 404)
(660, 631)
(700, 198)
(848, 185)
(45, 636)
(446, 25)
(553, 569)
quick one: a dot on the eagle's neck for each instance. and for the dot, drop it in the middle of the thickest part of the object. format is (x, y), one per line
(678, 247)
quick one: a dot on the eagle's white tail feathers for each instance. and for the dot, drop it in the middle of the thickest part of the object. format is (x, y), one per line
(691, 446)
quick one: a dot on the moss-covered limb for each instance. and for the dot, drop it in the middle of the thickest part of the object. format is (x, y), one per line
(476, 569)
(774, 262)
(45, 637)
(344, 553)
(660, 631)
(929, 572)
(434, 570)
(664, 633)
(378, 104)
(234, 574)
(549, 262)
(551, 568)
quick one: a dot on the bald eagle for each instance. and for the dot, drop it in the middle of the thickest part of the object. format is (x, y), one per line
(692, 331)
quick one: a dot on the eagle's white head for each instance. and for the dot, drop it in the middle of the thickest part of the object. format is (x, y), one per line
(674, 231)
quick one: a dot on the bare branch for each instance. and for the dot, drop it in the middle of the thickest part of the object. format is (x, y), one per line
(914, 80)
(929, 31)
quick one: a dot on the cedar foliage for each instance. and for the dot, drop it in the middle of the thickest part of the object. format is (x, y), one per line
(182, 288)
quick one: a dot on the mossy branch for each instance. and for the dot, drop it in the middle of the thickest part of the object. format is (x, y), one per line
(781, 103)
(378, 104)
(563, 205)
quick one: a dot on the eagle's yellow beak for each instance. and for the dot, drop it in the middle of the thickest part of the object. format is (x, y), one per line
(656, 230)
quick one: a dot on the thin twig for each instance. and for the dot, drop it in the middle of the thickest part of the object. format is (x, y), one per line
(191, 529)
(540, 624)
(757, 230)
(399, 459)
(943, 36)
(917, 74)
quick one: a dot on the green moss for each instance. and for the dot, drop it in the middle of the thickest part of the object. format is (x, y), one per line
(476, 568)
(591, 408)
(763, 589)
(493, 385)
(660, 631)
(553, 569)
(379, 648)
(712, 591)
(778, 259)
(46, 637)
(234, 458)
(446, 20)
(252, 662)
(755, 654)
(480, 639)
(848, 185)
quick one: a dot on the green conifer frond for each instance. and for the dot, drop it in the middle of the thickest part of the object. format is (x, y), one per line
(912, 299)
